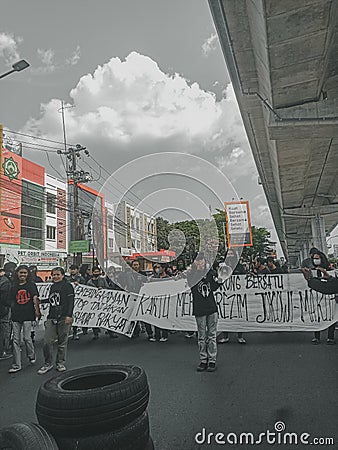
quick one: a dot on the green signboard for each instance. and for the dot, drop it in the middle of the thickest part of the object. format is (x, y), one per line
(78, 246)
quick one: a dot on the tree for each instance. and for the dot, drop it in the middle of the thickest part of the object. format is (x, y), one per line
(162, 230)
(260, 240)
(202, 232)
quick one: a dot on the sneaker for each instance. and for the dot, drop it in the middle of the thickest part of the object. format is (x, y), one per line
(315, 341)
(32, 360)
(223, 340)
(330, 342)
(189, 335)
(163, 339)
(151, 339)
(211, 367)
(76, 337)
(241, 340)
(202, 367)
(14, 369)
(45, 368)
(60, 367)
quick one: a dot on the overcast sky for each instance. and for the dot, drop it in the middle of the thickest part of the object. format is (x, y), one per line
(143, 77)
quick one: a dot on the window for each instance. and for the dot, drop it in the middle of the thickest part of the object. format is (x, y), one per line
(111, 243)
(32, 216)
(110, 222)
(51, 232)
(51, 203)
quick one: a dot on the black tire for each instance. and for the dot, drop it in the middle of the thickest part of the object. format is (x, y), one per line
(133, 436)
(92, 400)
(26, 436)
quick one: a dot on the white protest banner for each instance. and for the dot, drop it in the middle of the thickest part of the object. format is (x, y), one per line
(245, 303)
(100, 308)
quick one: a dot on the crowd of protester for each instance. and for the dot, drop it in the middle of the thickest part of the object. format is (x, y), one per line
(19, 302)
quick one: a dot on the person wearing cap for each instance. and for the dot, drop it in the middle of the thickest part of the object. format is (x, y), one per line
(202, 283)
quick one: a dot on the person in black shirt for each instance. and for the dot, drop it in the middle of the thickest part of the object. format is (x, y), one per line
(203, 284)
(274, 266)
(321, 263)
(76, 278)
(59, 320)
(259, 267)
(97, 281)
(25, 309)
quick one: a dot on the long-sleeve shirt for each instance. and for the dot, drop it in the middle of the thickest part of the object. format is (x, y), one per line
(202, 288)
(61, 300)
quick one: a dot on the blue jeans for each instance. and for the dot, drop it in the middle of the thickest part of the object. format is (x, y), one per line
(26, 331)
(207, 332)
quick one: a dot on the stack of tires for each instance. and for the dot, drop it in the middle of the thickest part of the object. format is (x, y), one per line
(26, 436)
(98, 407)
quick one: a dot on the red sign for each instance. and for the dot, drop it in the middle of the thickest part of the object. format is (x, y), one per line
(11, 189)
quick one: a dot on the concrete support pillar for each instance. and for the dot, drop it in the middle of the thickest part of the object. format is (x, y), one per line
(318, 233)
(306, 249)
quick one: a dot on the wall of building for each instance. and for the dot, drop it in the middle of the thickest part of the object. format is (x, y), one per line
(56, 230)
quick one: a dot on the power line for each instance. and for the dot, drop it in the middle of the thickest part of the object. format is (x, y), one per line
(35, 137)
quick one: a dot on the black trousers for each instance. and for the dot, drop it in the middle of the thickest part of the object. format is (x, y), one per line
(330, 332)
(160, 333)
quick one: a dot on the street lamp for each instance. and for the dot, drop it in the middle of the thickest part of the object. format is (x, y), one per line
(17, 67)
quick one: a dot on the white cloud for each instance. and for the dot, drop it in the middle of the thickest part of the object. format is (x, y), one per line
(210, 44)
(130, 108)
(46, 58)
(48, 63)
(74, 57)
(9, 47)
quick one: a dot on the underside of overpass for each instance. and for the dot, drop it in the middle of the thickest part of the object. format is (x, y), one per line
(282, 57)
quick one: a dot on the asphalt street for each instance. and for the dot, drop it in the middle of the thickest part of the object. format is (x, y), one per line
(276, 377)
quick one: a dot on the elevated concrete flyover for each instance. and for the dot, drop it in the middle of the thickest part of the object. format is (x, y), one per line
(282, 57)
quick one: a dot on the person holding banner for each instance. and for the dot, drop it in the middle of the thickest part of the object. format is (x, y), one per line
(59, 321)
(160, 273)
(203, 284)
(76, 279)
(324, 284)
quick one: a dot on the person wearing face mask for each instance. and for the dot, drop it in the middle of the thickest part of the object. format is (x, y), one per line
(319, 262)
(97, 281)
(307, 263)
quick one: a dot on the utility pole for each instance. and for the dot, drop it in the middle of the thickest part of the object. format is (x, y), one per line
(74, 177)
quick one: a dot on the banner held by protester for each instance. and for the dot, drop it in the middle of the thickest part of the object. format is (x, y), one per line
(245, 303)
